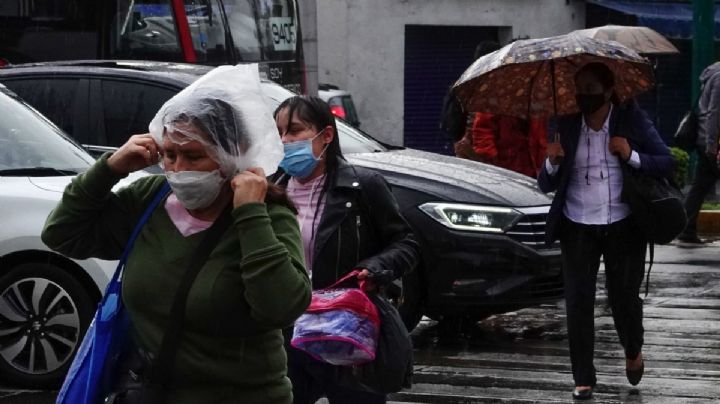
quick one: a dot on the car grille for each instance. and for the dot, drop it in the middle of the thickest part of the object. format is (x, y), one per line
(530, 230)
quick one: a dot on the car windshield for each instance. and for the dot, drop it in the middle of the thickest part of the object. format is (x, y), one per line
(352, 140)
(32, 146)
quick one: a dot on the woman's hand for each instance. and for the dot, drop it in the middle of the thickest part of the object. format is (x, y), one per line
(554, 150)
(249, 186)
(140, 151)
(364, 275)
(620, 147)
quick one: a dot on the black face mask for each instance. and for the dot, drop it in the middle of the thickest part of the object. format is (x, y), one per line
(589, 103)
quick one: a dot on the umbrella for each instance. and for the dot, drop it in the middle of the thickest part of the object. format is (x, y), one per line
(642, 40)
(535, 77)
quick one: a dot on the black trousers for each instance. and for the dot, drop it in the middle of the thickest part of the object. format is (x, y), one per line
(706, 175)
(623, 251)
(312, 379)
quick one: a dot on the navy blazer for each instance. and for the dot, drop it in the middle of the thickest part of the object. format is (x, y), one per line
(627, 120)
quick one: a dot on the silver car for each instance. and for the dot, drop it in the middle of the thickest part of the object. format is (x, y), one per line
(46, 300)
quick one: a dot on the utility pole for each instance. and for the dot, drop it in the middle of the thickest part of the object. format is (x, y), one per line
(308, 24)
(703, 45)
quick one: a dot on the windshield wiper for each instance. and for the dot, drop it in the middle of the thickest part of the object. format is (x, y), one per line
(37, 172)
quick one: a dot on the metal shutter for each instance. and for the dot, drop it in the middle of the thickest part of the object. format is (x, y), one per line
(435, 56)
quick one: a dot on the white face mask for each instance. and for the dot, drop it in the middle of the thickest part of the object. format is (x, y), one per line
(195, 189)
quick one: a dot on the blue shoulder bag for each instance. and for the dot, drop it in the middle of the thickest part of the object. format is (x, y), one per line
(92, 368)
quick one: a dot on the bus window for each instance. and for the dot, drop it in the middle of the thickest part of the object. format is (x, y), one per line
(144, 29)
(147, 29)
(263, 30)
(208, 31)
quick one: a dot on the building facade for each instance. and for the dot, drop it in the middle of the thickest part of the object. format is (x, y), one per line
(399, 57)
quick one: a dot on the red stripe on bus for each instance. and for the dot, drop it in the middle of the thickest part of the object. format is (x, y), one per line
(184, 31)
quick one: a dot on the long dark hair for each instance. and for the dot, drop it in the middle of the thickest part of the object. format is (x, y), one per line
(316, 112)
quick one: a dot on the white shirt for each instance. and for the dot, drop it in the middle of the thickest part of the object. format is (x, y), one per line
(595, 185)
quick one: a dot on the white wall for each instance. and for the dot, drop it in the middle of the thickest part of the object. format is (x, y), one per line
(361, 43)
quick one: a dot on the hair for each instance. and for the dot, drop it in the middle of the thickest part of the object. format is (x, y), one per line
(219, 115)
(316, 112)
(213, 115)
(278, 195)
(216, 116)
(601, 72)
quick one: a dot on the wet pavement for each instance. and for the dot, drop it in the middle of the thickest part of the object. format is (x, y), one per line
(522, 357)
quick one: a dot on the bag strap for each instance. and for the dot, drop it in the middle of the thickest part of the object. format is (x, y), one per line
(651, 248)
(626, 169)
(161, 371)
(159, 196)
(347, 277)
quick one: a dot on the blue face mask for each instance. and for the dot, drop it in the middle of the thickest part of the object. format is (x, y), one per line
(299, 160)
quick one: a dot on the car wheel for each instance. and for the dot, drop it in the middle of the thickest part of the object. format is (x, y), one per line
(44, 313)
(411, 299)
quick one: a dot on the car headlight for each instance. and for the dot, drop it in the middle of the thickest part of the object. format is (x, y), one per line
(472, 217)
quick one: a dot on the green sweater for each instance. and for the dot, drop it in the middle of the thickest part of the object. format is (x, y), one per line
(256, 271)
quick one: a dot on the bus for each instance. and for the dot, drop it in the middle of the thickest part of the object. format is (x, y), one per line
(210, 32)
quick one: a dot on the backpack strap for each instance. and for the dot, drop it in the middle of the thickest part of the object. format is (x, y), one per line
(626, 170)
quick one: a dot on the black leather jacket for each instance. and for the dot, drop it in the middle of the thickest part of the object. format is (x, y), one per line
(361, 227)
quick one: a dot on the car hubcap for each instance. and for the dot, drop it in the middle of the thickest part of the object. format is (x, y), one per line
(39, 326)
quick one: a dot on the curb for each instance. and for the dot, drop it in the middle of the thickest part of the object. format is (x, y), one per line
(708, 223)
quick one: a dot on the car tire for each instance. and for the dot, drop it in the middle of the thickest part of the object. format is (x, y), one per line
(44, 313)
(411, 299)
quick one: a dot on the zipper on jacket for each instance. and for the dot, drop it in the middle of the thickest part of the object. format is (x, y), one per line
(357, 233)
(337, 259)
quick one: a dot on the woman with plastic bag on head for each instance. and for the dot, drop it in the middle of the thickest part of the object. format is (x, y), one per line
(216, 142)
(349, 220)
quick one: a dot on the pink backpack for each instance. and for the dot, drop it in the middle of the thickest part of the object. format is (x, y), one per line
(341, 326)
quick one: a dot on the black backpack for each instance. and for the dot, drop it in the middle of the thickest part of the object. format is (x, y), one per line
(453, 119)
(392, 369)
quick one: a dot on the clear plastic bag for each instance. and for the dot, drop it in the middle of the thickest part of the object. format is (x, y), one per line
(226, 110)
(340, 327)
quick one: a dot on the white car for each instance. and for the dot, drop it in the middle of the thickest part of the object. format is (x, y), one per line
(46, 300)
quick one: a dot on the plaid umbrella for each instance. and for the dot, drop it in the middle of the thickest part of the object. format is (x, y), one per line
(535, 77)
(642, 40)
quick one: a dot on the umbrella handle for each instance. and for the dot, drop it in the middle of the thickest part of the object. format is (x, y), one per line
(554, 93)
(556, 139)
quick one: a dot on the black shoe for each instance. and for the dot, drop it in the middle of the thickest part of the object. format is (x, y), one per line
(690, 239)
(635, 375)
(584, 394)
